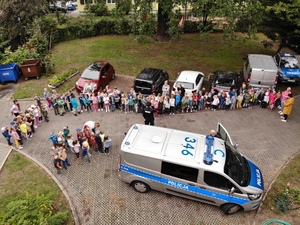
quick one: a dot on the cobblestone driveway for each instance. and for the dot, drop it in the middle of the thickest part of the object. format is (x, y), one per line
(99, 197)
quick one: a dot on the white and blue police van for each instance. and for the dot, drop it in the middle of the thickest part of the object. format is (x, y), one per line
(194, 166)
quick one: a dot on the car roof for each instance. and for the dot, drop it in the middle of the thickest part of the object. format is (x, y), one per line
(168, 145)
(223, 74)
(148, 73)
(93, 69)
(188, 75)
(97, 65)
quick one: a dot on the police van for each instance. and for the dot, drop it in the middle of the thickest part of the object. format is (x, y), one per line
(198, 167)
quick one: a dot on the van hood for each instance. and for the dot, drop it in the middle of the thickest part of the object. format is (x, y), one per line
(256, 179)
(291, 72)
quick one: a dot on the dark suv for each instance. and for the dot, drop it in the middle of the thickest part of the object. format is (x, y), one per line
(223, 81)
(150, 81)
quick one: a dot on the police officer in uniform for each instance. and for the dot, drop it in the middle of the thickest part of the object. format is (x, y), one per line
(148, 114)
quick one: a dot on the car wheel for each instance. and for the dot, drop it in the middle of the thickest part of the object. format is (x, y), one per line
(113, 76)
(140, 186)
(230, 208)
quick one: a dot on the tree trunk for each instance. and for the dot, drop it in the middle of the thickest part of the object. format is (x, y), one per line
(14, 43)
(162, 25)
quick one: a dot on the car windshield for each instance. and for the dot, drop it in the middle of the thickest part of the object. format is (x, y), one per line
(289, 62)
(186, 85)
(226, 80)
(92, 72)
(236, 166)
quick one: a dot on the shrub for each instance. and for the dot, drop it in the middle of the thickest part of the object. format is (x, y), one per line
(191, 26)
(19, 56)
(122, 26)
(98, 9)
(123, 7)
(288, 198)
(283, 203)
(60, 78)
(37, 209)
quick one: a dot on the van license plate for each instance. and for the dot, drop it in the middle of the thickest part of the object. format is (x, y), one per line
(291, 80)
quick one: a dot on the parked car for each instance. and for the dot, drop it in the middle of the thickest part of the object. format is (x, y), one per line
(260, 71)
(74, 3)
(150, 80)
(71, 7)
(223, 81)
(288, 68)
(59, 6)
(191, 81)
(100, 73)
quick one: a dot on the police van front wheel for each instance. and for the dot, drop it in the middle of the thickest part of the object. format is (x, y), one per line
(230, 208)
(140, 186)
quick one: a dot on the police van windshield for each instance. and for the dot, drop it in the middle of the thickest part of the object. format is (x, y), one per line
(236, 166)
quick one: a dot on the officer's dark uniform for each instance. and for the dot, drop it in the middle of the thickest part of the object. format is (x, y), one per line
(148, 115)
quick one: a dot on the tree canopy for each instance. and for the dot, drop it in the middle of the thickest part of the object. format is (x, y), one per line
(17, 15)
(228, 14)
(282, 22)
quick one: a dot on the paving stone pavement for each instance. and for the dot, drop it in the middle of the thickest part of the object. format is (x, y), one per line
(99, 197)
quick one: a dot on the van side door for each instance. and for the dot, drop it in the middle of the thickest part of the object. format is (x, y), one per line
(219, 188)
(178, 179)
(223, 133)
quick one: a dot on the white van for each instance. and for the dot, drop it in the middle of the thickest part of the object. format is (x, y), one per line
(260, 71)
(190, 165)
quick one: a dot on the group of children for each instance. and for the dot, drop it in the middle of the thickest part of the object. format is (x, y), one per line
(24, 123)
(106, 100)
(90, 138)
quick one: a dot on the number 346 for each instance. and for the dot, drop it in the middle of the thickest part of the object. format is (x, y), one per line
(188, 146)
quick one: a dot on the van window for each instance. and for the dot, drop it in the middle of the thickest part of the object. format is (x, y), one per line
(236, 166)
(179, 171)
(218, 181)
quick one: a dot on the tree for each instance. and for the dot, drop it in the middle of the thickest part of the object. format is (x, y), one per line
(229, 16)
(17, 16)
(144, 17)
(163, 18)
(282, 22)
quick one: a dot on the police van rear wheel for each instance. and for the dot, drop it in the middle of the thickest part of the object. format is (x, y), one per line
(230, 209)
(140, 186)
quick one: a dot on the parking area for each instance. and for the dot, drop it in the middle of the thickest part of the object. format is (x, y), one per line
(99, 197)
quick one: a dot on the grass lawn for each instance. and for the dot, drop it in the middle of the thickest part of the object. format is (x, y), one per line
(129, 55)
(20, 176)
(288, 185)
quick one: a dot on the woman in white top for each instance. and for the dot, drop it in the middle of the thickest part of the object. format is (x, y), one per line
(88, 86)
(165, 89)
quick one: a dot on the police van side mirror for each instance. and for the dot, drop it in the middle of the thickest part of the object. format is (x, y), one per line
(231, 191)
(235, 146)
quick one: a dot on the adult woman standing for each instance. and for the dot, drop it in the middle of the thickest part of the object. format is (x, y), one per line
(288, 105)
(165, 89)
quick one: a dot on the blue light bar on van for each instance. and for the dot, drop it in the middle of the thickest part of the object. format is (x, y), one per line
(208, 156)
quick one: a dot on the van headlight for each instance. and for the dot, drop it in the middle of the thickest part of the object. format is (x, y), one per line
(76, 83)
(253, 196)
